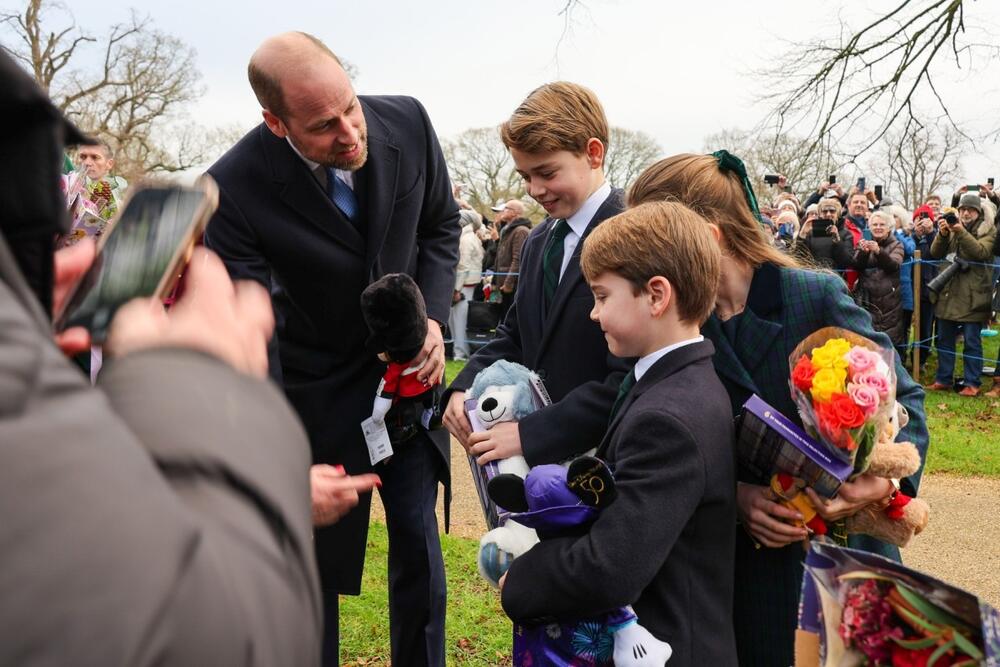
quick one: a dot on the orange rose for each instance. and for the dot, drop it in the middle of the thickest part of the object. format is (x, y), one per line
(803, 373)
(848, 414)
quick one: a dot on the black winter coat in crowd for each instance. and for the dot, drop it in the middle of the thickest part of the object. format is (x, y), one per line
(878, 289)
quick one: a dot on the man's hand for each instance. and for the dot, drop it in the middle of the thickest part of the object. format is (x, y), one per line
(70, 265)
(334, 492)
(506, 289)
(455, 419)
(433, 353)
(852, 497)
(231, 322)
(943, 228)
(500, 442)
(765, 519)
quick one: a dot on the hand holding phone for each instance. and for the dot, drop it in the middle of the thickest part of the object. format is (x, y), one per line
(140, 255)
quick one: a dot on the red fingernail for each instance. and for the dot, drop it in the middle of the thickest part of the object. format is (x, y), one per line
(339, 468)
(378, 483)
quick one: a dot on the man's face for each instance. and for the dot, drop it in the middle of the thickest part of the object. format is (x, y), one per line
(95, 161)
(560, 181)
(506, 215)
(324, 118)
(858, 206)
(935, 204)
(623, 315)
(967, 215)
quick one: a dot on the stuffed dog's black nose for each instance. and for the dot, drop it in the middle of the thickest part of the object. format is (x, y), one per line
(490, 404)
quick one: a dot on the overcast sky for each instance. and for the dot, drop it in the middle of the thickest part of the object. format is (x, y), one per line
(679, 71)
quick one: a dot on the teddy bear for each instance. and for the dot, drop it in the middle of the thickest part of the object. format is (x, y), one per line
(503, 393)
(394, 310)
(904, 516)
(556, 500)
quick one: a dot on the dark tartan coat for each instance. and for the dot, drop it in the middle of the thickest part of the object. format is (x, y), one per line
(783, 307)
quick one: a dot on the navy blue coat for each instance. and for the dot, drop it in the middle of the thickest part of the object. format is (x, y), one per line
(275, 225)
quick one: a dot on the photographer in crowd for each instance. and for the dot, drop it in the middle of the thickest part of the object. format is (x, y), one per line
(924, 232)
(963, 295)
(824, 242)
(878, 261)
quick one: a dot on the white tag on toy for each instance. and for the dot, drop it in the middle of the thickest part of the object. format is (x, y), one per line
(377, 439)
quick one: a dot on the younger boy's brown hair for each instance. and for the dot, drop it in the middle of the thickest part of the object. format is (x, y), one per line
(559, 116)
(661, 238)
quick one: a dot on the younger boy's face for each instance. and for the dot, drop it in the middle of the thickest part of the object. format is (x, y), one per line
(623, 315)
(560, 181)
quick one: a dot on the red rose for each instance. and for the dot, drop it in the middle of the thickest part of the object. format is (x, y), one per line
(803, 373)
(849, 415)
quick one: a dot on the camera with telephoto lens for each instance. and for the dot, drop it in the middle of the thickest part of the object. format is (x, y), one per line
(958, 265)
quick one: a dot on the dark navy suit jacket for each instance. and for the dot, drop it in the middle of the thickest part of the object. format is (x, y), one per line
(562, 345)
(276, 225)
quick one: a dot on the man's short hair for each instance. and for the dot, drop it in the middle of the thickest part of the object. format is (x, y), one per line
(102, 144)
(266, 84)
(659, 238)
(930, 197)
(559, 116)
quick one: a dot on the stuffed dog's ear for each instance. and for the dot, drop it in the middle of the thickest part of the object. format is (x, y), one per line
(590, 479)
(507, 491)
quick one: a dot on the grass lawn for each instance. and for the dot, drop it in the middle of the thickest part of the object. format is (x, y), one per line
(965, 432)
(478, 632)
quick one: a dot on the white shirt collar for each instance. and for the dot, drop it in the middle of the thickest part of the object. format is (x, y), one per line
(578, 221)
(345, 176)
(645, 363)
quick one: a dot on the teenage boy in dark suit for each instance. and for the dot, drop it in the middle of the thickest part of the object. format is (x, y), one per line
(665, 545)
(558, 137)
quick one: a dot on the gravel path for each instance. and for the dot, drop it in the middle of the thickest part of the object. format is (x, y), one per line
(961, 544)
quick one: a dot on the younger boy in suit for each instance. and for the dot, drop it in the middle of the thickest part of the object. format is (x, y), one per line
(558, 137)
(665, 545)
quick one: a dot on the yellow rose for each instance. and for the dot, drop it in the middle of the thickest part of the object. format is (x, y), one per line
(828, 381)
(832, 354)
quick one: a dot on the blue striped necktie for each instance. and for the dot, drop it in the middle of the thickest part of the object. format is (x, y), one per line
(341, 194)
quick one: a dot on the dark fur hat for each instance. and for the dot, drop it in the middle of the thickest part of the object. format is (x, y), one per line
(396, 316)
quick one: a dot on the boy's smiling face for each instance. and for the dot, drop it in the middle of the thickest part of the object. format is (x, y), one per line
(561, 181)
(624, 316)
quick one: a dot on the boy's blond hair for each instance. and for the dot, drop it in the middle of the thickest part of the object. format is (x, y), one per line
(716, 195)
(661, 238)
(559, 116)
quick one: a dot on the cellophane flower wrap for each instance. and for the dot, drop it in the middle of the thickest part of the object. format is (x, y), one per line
(844, 386)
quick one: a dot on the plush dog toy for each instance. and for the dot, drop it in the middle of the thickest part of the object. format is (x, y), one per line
(555, 501)
(503, 393)
(904, 516)
(394, 311)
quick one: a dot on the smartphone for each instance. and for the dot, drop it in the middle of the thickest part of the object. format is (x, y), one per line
(878, 193)
(140, 254)
(972, 188)
(990, 181)
(831, 179)
(866, 234)
(771, 179)
(861, 184)
(821, 228)
(788, 188)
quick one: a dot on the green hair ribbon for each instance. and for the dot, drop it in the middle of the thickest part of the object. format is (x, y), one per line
(729, 162)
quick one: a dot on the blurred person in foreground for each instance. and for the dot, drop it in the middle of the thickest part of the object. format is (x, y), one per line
(163, 516)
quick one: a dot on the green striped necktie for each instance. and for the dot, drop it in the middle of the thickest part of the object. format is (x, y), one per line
(623, 390)
(552, 259)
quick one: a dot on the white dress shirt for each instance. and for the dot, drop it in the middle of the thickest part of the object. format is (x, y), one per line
(320, 171)
(578, 223)
(645, 363)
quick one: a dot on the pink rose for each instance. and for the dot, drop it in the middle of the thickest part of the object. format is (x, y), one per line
(874, 380)
(861, 360)
(865, 397)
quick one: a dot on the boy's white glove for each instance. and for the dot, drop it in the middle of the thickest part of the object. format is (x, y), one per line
(637, 647)
(380, 408)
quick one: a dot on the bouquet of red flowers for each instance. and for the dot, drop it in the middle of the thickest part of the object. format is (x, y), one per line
(845, 388)
(861, 609)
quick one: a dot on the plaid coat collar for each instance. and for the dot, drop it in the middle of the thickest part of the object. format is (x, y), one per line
(757, 332)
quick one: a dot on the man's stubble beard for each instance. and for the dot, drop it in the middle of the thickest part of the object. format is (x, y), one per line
(356, 163)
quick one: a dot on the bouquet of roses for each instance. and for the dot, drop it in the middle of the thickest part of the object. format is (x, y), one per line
(861, 609)
(844, 386)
